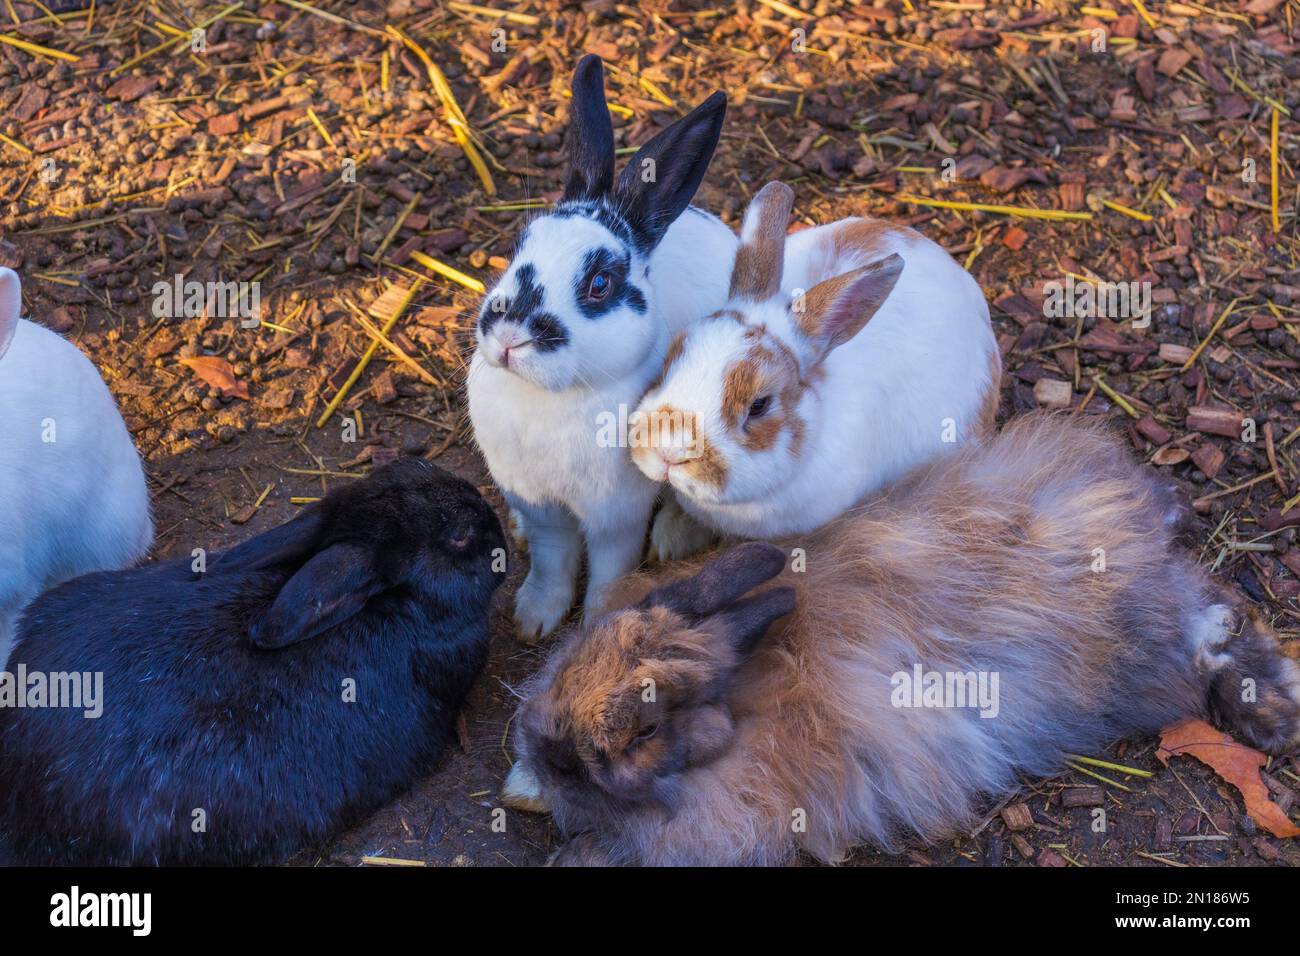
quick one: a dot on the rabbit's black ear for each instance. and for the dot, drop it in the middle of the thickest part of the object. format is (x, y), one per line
(662, 177)
(327, 590)
(292, 541)
(721, 582)
(591, 134)
(745, 622)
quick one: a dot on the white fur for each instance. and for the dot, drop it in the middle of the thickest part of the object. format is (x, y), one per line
(73, 505)
(921, 364)
(538, 421)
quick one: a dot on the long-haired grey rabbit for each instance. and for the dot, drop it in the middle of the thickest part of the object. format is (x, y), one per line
(682, 730)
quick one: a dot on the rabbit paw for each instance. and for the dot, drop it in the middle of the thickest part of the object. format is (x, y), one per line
(521, 791)
(675, 535)
(539, 608)
(582, 850)
(515, 528)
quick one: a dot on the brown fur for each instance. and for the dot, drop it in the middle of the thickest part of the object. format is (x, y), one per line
(987, 422)
(769, 364)
(983, 560)
(756, 274)
(706, 465)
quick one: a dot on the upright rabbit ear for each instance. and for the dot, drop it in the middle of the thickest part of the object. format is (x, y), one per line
(721, 582)
(663, 176)
(591, 134)
(11, 303)
(757, 272)
(834, 311)
(327, 590)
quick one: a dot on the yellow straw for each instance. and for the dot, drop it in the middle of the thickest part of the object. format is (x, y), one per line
(1272, 171)
(35, 48)
(447, 272)
(1131, 213)
(1024, 211)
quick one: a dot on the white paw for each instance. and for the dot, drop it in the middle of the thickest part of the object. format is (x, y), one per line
(1209, 634)
(540, 606)
(676, 535)
(521, 791)
(596, 601)
(515, 528)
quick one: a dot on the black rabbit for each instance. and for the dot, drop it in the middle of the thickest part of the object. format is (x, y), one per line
(303, 680)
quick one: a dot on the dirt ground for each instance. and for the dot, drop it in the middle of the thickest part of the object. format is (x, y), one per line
(122, 167)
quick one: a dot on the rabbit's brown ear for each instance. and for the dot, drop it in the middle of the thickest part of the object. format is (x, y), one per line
(721, 582)
(834, 311)
(757, 272)
(330, 588)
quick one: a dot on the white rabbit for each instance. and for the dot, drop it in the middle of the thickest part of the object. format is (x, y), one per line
(846, 356)
(74, 493)
(574, 333)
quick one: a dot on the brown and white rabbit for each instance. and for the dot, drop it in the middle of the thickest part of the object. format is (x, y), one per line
(846, 356)
(675, 732)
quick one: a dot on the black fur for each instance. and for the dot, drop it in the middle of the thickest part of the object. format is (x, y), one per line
(681, 155)
(386, 582)
(591, 133)
(630, 208)
(547, 332)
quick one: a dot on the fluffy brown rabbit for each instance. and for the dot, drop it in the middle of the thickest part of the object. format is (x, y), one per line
(1040, 563)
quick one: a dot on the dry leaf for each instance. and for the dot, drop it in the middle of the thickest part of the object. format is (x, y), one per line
(217, 373)
(1235, 763)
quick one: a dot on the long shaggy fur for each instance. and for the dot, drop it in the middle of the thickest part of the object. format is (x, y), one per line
(988, 561)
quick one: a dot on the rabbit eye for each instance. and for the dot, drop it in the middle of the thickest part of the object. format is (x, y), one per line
(600, 286)
(645, 733)
(758, 408)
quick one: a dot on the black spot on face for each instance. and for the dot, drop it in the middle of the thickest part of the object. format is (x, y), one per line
(602, 284)
(547, 331)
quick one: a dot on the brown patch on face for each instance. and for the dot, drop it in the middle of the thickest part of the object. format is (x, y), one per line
(756, 274)
(768, 363)
(709, 467)
(670, 427)
(675, 349)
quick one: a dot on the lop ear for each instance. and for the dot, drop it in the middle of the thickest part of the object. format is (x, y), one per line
(721, 582)
(327, 590)
(591, 134)
(291, 541)
(834, 311)
(745, 622)
(662, 177)
(11, 304)
(757, 272)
